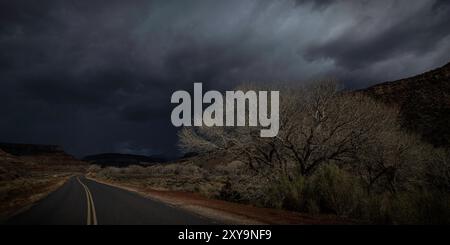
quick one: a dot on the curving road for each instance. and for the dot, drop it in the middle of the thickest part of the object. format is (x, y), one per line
(81, 201)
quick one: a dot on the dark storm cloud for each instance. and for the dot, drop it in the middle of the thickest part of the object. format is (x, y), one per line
(408, 35)
(318, 4)
(97, 75)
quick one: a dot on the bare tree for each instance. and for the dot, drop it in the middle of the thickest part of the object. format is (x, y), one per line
(436, 170)
(360, 139)
(319, 124)
(388, 161)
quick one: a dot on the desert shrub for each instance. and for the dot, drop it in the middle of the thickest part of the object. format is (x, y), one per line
(285, 193)
(436, 170)
(191, 170)
(109, 173)
(421, 207)
(412, 207)
(134, 169)
(93, 168)
(330, 190)
(429, 201)
(236, 182)
(376, 208)
(232, 168)
(335, 191)
(229, 193)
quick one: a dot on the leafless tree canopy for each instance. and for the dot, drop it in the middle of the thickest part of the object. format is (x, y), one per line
(319, 125)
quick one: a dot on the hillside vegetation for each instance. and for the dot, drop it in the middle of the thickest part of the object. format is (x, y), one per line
(30, 174)
(423, 101)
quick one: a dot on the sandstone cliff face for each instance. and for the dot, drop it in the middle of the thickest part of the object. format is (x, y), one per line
(424, 103)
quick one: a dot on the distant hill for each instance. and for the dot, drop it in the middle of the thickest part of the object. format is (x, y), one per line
(39, 154)
(424, 103)
(28, 160)
(3, 154)
(122, 160)
(29, 149)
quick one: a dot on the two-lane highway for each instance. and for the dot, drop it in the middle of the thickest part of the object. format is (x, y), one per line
(81, 201)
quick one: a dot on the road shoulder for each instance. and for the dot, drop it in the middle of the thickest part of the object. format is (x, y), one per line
(226, 212)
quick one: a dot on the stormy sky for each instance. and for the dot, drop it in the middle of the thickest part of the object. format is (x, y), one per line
(96, 76)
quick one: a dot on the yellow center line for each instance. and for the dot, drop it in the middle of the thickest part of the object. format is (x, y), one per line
(94, 215)
(91, 214)
(88, 199)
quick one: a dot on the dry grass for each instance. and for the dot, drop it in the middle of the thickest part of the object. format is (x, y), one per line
(25, 180)
(188, 176)
(20, 193)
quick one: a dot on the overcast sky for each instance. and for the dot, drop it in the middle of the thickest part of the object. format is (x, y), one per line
(97, 76)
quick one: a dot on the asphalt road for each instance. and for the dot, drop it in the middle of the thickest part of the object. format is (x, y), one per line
(85, 202)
